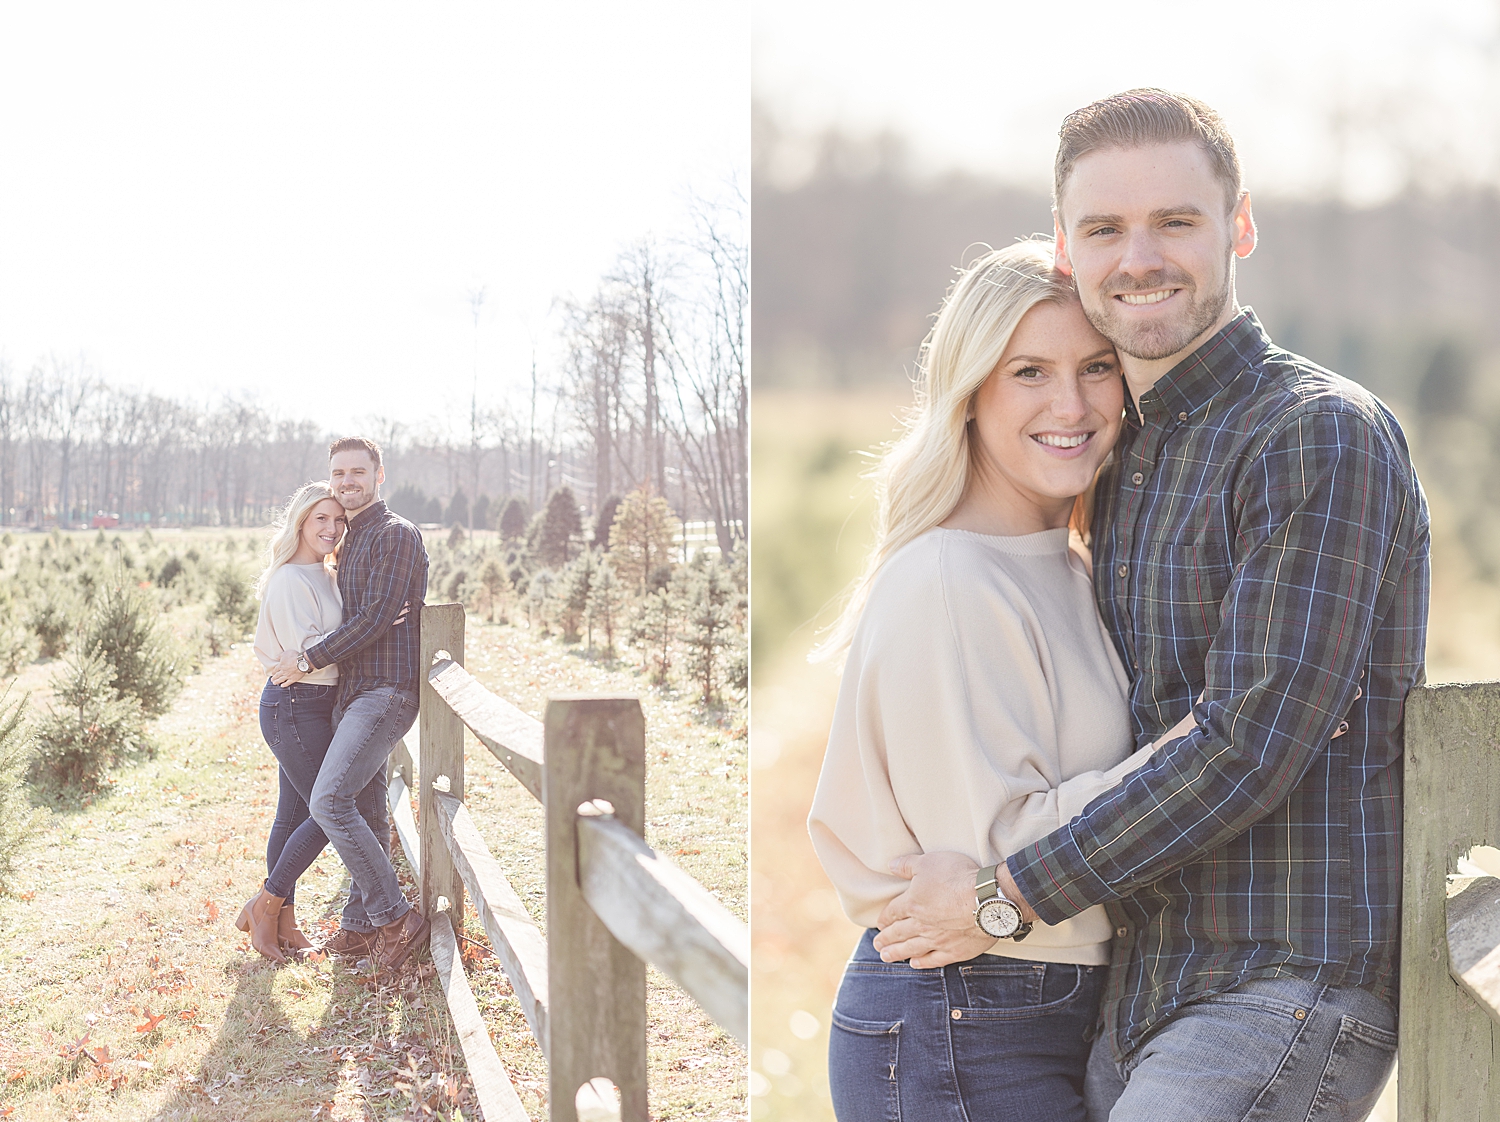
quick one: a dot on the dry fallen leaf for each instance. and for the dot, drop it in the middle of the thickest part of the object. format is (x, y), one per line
(152, 1020)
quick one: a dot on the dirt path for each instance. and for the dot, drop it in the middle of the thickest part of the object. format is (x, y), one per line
(125, 991)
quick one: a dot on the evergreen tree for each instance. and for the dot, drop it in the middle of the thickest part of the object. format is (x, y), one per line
(514, 517)
(560, 523)
(604, 604)
(578, 585)
(409, 502)
(605, 522)
(495, 584)
(640, 540)
(89, 726)
(457, 512)
(482, 512)
(709, 615)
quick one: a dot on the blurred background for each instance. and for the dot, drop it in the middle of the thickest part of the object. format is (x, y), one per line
(888, 139)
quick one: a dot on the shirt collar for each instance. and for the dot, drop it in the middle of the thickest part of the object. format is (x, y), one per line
(368, 515)
(1217, 362)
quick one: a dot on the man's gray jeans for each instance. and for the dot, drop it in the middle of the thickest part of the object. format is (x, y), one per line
(349, 801)
(1275, 1050)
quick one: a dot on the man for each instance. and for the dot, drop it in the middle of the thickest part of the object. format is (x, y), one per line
(1262, 546)
(382, 566)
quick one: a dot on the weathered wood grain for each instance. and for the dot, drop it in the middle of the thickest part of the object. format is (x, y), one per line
(595, 749)
(497, 1095)
(667, 918)
(517, 941)
(514, 737)
(1450, 1048)
(442, 755)
(1473, 913)
(398, 798)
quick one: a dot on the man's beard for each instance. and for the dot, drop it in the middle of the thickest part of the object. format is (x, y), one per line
(1150, 342)
(354, 500)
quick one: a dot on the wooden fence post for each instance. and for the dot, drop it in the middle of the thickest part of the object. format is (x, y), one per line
(1450, 1047)
(440, 753)
(595, 748)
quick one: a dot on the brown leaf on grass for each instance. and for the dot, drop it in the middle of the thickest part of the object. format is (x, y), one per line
(212, 914)
(16, 1076)
(69, 1051)
(687, 852)
(175, 881)
(188, 1014)
(152, 1020)
(101, 1056)
(28, 896)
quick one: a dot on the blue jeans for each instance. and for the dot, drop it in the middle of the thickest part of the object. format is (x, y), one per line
(1276, 1050)
(297, 722)
(349, 801)
(992, 1039)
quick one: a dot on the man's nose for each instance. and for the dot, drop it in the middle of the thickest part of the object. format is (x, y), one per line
(1142, 254)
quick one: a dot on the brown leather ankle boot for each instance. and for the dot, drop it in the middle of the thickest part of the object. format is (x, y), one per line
(288, 934)
(260, 917)
(398, 939)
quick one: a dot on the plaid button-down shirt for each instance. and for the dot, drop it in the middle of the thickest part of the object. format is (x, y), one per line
(1261, 539)
(382, 564)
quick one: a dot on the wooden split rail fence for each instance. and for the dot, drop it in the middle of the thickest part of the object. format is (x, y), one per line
(613, 903)
(1450, 937)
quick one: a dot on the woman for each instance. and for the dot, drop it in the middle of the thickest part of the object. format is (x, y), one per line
(299, 603)
(982, 704)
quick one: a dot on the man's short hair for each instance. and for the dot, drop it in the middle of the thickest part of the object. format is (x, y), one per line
(1137, 118)
(355, 444)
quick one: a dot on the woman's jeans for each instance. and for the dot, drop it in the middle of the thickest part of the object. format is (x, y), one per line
(297, 722)
(992, 1038)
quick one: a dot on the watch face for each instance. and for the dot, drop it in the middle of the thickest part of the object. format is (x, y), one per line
(999, 917)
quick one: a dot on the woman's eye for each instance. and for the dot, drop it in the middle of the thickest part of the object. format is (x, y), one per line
(1029, 373)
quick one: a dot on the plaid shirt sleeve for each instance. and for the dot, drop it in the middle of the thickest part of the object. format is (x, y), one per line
(394, 557)
(1324, 518)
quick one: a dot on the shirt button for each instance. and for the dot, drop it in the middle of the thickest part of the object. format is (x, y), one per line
(1121, 932)
(1137, 479)
(1122, 571)
(1182, 416)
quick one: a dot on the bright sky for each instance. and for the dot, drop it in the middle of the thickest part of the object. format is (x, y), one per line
(296, 199)
(984, 85)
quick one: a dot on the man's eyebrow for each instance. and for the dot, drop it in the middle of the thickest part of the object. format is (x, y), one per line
(1183, 210)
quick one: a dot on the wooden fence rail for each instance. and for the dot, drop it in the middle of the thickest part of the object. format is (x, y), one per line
(1450, 937)
(613, 903)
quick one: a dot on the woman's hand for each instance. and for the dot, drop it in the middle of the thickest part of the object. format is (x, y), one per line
(401, 615)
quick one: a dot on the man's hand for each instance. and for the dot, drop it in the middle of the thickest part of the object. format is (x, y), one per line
(285, 672)
(932, 922)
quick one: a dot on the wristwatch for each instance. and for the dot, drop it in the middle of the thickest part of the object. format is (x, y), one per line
(995, 915)
(302, 663)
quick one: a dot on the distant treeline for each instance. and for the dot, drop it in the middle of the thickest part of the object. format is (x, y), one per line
(652, 392)
(852, 261)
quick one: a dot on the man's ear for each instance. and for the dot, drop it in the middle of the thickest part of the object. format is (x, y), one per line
(1060, 246)
(380, 476)
(1244, 227)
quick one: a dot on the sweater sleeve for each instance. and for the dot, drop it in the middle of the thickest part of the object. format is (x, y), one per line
(943, 739)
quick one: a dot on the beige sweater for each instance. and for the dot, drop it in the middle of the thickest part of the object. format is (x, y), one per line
(982, 707)
(300, 605)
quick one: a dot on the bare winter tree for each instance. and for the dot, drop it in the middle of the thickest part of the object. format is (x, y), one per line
(709, 373)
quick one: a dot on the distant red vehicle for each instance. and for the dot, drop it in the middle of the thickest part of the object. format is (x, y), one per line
(104, 521)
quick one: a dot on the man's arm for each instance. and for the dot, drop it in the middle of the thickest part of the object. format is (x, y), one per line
(394, 559)
(1326, 520)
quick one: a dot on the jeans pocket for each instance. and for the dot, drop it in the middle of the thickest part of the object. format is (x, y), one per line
(862, 1069)
(269, 725)
(1013, 990)
(1356, 1071)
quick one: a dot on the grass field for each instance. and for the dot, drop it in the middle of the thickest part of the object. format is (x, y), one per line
(125, 991)
(812, 526)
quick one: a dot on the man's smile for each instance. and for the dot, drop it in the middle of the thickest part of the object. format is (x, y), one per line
(1138, 298)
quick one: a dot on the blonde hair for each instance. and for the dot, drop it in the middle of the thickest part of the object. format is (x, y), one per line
(288, 529)
(921, 477)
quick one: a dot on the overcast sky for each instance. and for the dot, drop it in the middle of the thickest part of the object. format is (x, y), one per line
(296, 200)
(1322, 96)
